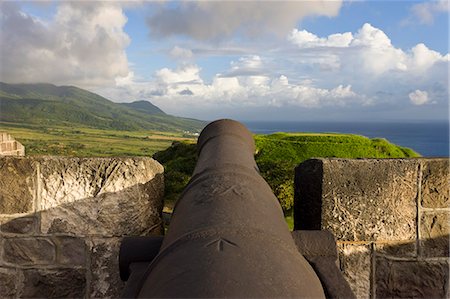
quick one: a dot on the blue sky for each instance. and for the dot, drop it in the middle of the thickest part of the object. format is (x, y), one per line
(252, 60)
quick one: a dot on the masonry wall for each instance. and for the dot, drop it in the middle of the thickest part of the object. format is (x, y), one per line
(9, 146)
(390, 218)
(62, 220)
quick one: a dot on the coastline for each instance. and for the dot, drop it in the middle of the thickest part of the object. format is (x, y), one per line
(430, 139)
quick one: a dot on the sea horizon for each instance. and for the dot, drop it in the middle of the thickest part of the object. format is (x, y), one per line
(428, 138)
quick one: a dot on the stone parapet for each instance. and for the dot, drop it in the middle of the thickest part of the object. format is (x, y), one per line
(62, 221)
(390, 218)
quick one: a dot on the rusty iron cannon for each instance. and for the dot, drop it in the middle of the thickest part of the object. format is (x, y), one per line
(228, 237)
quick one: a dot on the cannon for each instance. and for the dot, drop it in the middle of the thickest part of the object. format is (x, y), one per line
(228, 237)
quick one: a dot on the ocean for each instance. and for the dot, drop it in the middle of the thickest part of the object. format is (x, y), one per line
(430, 139)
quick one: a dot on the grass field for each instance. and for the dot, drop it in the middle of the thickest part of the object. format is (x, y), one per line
(87, 142)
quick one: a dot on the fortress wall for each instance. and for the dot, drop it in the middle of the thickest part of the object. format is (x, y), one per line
(62, 220)
(390, 218)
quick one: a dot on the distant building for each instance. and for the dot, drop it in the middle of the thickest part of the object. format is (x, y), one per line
(9, 146)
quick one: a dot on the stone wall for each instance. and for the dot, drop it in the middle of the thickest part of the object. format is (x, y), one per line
(9, 146)
(62, 220)
(390, 218)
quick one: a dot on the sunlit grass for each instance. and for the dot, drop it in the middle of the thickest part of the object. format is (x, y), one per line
(88, 142)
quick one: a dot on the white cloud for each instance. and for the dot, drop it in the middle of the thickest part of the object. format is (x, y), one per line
(370, 49)
(426, 11)
(180, 53)
(368, 52)
(182, 89)
(305, 39)
(422, 58)
(250, 65)
(84, 44)
(188, 74)
(419, 97)
(218, 19)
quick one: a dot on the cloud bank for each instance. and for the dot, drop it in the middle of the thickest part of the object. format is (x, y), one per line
(84, 44)
(346, 70)
(204, 20)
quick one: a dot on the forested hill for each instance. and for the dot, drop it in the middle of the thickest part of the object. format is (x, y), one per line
(47, 104)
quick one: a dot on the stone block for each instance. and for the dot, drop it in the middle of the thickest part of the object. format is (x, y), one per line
(135, 210)
(106, 281)
(66, 180)
(76, 219)
(20, 225)
(54, 283)
(8, 278)
(17, 185)
(435, 183)
(358, 200)
(70, 250)
(355, 263)
(397, 249)
(28, 251)
(435, 234)
(108, 197)
(411, 279)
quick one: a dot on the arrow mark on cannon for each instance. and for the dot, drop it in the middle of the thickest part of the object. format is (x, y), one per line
(220, 243)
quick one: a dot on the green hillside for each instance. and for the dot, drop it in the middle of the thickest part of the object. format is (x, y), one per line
(143, 106)
(50, 105)
(277, 155)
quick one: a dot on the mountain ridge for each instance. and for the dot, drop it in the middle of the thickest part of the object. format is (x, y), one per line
(48, 104)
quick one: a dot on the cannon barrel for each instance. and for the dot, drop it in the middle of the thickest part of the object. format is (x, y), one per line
(227, 236)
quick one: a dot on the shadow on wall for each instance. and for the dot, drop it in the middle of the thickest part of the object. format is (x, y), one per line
(394, 271)
(57, 242)
(72, 250)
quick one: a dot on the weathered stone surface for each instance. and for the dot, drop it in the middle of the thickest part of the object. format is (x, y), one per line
(135, 210)
(411, 279)
(28, 251)
(7, 283)
(17, 185)
(435, 234)
(67, 180)
(106, 281)
(397, 249)
(362, 200)
(71, 250)
(54, 283)
(77, 219)
(107, 208)
(20, 225)
(355, 262)
(435, 183)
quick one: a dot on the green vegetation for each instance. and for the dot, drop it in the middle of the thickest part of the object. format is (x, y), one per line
(49, 105)
(88, 142)
(277, 155)
(179, 161)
